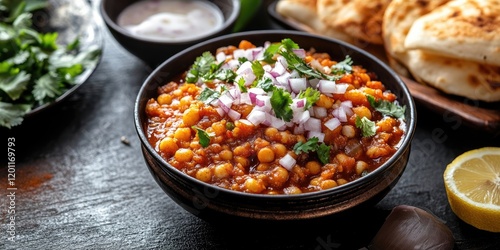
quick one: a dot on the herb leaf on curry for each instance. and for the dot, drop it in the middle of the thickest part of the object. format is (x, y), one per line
(387, 108)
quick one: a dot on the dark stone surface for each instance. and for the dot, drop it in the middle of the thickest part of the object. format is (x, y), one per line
(80, 187)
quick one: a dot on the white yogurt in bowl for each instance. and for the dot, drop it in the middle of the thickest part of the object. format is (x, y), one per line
(171, 20)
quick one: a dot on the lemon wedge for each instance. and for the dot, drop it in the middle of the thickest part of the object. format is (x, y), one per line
(472, 183)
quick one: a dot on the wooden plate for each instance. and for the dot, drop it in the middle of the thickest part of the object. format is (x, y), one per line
(456, 110)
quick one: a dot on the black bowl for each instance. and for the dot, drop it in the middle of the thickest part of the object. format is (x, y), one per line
(205, 200)
(154, 52)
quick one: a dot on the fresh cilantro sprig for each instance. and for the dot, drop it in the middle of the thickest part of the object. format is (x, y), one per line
(34, 68)
(280, 102)
(311, 95)
(206, 69)
(208, 95)
(312, 145)
(387, 108)
(343, 67)
(368, 127)
(203, 135)
(297, 63)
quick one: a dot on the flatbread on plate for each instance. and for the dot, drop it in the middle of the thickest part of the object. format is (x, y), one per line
(457, 77)
(305, 12)
(358, 18)
(462, 29)
(398, 18)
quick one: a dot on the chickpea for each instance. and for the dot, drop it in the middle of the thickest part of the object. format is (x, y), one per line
(184, 155)
(326, 184)
(168, 145)
(292, 190)
(219, 128)
(226, 155)
(348, 131)
(362, 111)
(279, 150)
(262, 167)
(324, 101)
(191, 116)
(186, 101)
(242, 160)
(345, 160)
(254, 186)
(223, 170)
(315, 182)
(183, 134)
(164, 99)
(280, 176)
(265, 155)
(272, 134)
(204, 174)
(287, 138)
(386, 124)
(341, 181)
(314, 167)
(361, 166)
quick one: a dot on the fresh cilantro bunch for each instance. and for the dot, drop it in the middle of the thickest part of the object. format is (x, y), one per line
(34, 69)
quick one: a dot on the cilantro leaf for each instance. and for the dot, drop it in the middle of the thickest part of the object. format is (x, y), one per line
(387, 108)
(343, 67)
(368, 127)
(12, 114)
(208, 95)
(306, 147)
(201, 67)
(322, 150)
(203, 136)
(46, 86)
(311, 95)
(15, 85)
(257, 69)
(266, 84)
(323, 153)
(280, 102)
(297, 63)
(34, 69)
(270, 51)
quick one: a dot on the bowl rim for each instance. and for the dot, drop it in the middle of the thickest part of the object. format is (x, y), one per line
(225, 25)
(404, 145)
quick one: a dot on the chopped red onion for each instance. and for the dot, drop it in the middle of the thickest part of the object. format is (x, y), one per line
(340, 114)
(340, 88)
(320, 112)
(326, 86)
(233, 114)
(319, 135)
(313, 124)
(220, 57)
(287, 162)
(301, 117)
(332, 123)
(241, 53)
(300, 53)
(256, 117)
(298, 84)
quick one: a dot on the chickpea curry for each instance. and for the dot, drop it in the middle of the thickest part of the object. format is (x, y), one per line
(275, 119)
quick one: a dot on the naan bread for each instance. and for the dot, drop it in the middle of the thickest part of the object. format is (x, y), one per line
(358, 18)
(305, 12)
(462, 29)
(398, 18)
(457, 77)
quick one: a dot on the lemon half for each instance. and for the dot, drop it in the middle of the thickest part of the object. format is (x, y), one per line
(472, 183)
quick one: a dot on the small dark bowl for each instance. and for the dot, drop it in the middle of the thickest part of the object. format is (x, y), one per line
(205, 200)
(154, 52)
